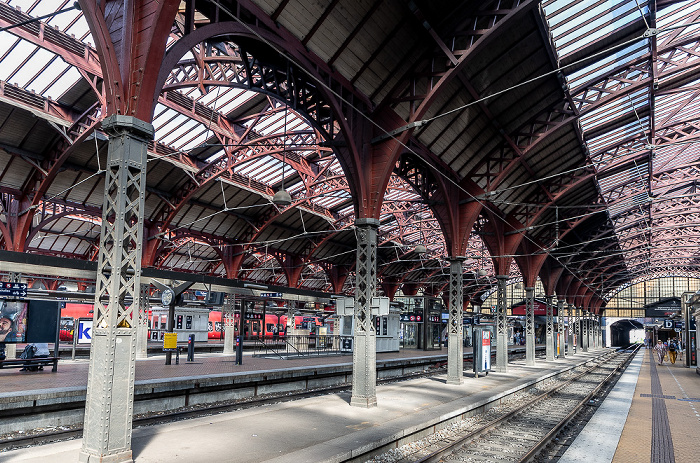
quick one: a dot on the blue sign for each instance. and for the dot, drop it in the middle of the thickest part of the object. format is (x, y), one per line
(13, 290)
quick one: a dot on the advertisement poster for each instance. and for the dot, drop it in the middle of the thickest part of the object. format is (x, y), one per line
(13, 321)
(486, 350)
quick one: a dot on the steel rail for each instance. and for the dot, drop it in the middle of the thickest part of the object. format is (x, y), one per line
(553, 433)
(440, 453)
(77, 432)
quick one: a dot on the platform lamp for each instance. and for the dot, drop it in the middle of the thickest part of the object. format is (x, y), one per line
(282, 198)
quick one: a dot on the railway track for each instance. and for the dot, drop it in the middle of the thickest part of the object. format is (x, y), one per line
(74, 432)
(520, 430)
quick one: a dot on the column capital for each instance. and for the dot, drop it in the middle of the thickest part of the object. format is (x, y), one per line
(457, 258)
(118, 123)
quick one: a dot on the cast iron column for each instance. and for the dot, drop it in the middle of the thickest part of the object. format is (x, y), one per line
(501, 325)
(594, 331)
(110, 389)
(229, 312)
(584, 335)
(364, 353)
(570, 319)
(529, 326)
(142, 327)
(455, 349)
(551, 342)
(577, 329)
(560, 328)
(600, 331)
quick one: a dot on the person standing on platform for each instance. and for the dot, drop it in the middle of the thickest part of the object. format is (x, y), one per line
(660, 351)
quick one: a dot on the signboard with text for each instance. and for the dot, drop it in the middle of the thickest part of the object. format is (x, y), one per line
(13, 290)
(663, 309)
(85, 331)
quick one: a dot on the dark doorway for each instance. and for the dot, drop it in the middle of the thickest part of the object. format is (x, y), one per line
(620, 332)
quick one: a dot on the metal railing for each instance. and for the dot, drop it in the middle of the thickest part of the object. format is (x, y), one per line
(302, 346)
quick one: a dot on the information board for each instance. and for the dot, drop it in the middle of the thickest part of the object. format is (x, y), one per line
(169, 341)
(13, 290)
(485, 350)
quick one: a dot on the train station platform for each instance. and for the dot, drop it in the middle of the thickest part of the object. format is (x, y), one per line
(322, 428)
(661, 407)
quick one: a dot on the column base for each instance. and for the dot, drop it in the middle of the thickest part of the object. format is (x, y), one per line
(142, 342)
(454, 381)
(363, 402)
(121, 457)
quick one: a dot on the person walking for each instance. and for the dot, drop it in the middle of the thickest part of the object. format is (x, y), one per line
(673, 348)
(660, 351)
(672, 351)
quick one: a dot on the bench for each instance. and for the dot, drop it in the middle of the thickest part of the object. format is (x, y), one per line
(32, 362)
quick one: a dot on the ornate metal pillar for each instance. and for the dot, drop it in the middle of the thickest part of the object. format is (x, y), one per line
(455, 349)
(550, 340)
(560, 328)
(229, 311)
(501, 325)
(530, 326)
(364, 354)
(142, 327)
(577, 329)
(594, 331)
(570, 319)
(584, 335)
(600, 331)
(110, 389)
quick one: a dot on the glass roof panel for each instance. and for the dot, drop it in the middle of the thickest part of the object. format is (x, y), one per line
(621, 126)
(577, 24)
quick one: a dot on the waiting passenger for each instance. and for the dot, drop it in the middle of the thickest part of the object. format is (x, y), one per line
(35, 350)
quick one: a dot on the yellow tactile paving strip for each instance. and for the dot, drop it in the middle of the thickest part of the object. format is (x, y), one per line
(681, 388)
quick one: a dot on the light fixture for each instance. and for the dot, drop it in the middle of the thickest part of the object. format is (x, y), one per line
(282, 198)
(482, 272)
(254, 286)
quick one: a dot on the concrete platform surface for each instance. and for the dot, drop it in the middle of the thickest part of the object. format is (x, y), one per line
(316, 429)
(663, 424)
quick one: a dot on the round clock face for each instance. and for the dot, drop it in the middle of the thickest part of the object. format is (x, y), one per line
(167, 297)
